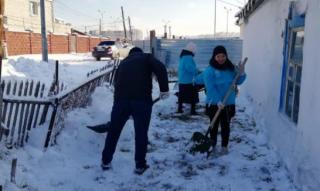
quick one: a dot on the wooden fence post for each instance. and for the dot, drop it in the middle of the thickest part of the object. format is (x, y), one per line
(13, 170)
(54, 90)
(56, 78)
(51, 125)
(55, 107)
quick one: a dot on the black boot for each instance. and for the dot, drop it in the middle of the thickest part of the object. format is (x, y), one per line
(180, 108)
(193, 109)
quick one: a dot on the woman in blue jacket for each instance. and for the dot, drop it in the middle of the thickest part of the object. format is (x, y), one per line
(217, 79)
(187, 71)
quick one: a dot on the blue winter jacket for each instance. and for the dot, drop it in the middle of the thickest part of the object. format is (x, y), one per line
(217, 83)
(187, 70)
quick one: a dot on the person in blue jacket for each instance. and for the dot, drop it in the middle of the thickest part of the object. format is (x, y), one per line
(187, 71)
(217, 78)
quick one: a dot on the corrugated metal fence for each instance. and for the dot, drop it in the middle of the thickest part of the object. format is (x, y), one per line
(169, 50)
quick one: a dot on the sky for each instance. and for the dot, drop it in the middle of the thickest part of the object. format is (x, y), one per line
(73, 163)
(186, 17)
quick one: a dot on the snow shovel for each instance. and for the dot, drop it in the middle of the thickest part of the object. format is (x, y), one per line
(101, 128)
(202, 143)
(104, 127)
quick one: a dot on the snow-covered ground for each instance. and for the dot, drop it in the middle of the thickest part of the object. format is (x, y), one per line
(74, 163)
(73, 68)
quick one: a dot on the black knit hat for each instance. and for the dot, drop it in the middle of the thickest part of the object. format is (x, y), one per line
(227, 65)
(219, 49)
(135, 50)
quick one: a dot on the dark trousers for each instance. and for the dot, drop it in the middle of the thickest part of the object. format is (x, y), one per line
(193, 108)
(140, 110)
(223, 120)
(188, 93)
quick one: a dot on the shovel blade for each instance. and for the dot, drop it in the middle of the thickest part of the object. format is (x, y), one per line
(201, 144)
(198, 137)
(101, 128)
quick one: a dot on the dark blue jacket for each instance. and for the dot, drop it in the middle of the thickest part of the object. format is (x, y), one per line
(133, 78)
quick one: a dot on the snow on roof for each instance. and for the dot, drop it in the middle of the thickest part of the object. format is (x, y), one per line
(247, 10)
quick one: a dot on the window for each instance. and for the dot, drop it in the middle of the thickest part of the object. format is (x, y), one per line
(292, 65)
(293, 78)
(34, 8)
(106, 43)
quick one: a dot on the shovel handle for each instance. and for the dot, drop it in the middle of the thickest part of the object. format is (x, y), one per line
(226, 96)
(155, 100)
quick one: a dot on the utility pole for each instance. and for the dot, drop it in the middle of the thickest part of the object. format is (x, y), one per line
(227, 9)
(165, 34)
(124, 24)
(43, 32)
(1, 29)
(165, 31)
(215, 18)
(100, 27)
(130, 29)
(1, 57)
(100, 22)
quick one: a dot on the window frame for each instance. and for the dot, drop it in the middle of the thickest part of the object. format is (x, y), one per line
(294, 25)
(291, 78)
(34, 8)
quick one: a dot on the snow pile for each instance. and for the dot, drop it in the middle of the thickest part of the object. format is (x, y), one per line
(73, 69)
(74, 163)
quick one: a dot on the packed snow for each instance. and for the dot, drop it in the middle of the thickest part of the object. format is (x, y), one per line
(74, 162)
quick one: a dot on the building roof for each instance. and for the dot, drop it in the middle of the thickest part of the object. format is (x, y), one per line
(247, 10)
(75, 31)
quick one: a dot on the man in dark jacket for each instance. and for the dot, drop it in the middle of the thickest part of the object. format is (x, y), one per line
(132, 97)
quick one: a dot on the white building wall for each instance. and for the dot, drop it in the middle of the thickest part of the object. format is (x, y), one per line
(19, 17)
(298, 145)
(309, 117)
(62, 28)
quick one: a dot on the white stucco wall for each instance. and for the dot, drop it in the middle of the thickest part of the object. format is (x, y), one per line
(309, 117)
(19, 17)
(298, 145)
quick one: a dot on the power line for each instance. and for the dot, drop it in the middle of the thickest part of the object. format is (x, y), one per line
(234, 5)
(241, 3)
(79, 13)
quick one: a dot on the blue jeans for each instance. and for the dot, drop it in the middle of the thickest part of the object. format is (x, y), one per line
(140, 110)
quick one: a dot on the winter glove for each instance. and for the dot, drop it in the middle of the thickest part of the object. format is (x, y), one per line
(164, 95)
(220, 105)
(241, 69)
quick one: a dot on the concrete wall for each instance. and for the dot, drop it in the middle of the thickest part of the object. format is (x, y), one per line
(297, 144)
(309, 118)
